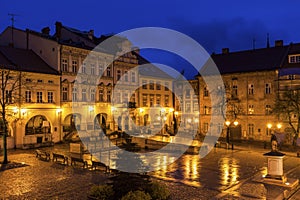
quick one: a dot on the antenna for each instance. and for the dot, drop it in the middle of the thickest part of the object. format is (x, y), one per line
(268, 40)
(12, 18)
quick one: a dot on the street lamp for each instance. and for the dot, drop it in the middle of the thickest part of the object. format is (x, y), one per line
(228, 123)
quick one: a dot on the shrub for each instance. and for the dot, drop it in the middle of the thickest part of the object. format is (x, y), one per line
(102, 192)
(136, 195)
(158, 191)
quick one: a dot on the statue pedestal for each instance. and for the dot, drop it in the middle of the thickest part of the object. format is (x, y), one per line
(275, 167)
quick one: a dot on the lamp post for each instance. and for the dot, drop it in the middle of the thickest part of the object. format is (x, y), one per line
(228, 123)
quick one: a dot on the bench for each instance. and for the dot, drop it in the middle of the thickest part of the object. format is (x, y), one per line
(42, 154)
(225, 144)
(56, 156)
(75, 160)
(96, 164)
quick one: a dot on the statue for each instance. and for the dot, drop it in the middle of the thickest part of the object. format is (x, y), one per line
(274, 143)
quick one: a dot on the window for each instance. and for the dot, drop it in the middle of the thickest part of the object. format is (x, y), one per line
(188, 93)
(144, 100)
(39, 80)
(92, 69)
(83, 93)
(205, 92)
(39, 97)
(206, 110)
(50, 81)
(93, 95)
(100, 70)
(50, 97)
(108, 96)
(74, 66)
(151, 85)
(125, 97)
(250, 89)
(65, 94)
(101, 99)
(27, 96)
(74, 94)
(158, 85)
(292, 77)
(234, 91)
(118, 75)
(294, 59)
(166, 86)
(188, 107)
(133, 77)
(251, 129)
(158, 98)
(268, 88)
(167, 100)
(28, 80)
(268, 109)
(251, 109)
(151, 99)
(196, 106)
(8, 96)
(108, 71)
(144, 84)
(126, 76)
(64, 65)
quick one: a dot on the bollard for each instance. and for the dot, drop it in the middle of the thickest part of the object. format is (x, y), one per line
(231, 146)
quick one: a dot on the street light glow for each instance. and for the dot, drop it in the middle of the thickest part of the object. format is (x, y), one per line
(269, 125)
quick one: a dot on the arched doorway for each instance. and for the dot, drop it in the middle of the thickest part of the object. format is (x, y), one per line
(37, 125)
(100, 121)
(71, 122)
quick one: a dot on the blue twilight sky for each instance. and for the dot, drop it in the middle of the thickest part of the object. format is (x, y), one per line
(214, 24)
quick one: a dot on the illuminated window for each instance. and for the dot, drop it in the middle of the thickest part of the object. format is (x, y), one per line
(250, 109)
(294, 59)
(151, 99)
(250, 89)
(268, 109)
(158, 99)
(166, 100)
(144, 100)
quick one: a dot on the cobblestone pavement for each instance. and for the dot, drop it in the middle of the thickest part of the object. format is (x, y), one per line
(49, 180)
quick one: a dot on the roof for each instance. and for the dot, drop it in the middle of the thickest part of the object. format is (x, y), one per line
(23, 60)
(251, 60)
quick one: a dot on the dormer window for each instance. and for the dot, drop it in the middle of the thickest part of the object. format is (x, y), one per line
(294, 58)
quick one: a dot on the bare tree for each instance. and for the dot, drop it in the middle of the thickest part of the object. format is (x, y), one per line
(10, 87)
(287, 106)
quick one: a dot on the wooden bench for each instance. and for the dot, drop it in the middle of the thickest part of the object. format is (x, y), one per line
(56, 156)
(225, 144)
(75, 160)
(101, 165)
(42, 154)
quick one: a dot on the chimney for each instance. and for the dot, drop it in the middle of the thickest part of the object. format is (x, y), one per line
(225, 50)
(91, 34)
(46, 30)
(58, 26)
(278, 43)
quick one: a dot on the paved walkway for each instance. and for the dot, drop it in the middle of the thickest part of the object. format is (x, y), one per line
(49, 180)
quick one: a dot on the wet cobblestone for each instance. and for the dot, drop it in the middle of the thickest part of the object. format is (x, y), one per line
(49, 180)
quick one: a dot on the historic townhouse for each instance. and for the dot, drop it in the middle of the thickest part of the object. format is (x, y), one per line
(252, 81)
(30, 88)
(155, 98)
